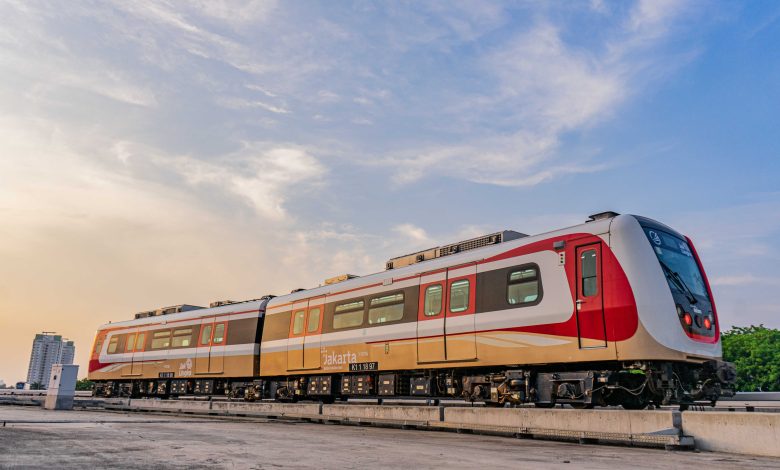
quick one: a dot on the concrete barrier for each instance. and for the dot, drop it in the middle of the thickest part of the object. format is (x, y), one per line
(605, 421)
(266, 409)
(384, 412)
(170, 405)
(740, 433)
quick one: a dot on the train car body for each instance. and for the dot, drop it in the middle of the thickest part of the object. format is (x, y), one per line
(187, 352)
(614, 311)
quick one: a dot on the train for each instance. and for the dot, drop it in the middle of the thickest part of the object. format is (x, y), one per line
(616, 311)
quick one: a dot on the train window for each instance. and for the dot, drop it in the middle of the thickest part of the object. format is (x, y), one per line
(523, 286)
(130, 342)
(298, 319)
(98, 344)
(112, 344)
(205, 335)
(348, 315)
(182, 338)
(433, 300)
(219, 334)
(139, 342)
(358, 304)
(589, 277)
(161, 339)
(386, 309)
(314, 320)
(459, 296)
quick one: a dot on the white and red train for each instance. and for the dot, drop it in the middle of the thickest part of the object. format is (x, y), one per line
(616, 311)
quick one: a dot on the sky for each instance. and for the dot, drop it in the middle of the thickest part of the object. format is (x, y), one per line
(154, 153)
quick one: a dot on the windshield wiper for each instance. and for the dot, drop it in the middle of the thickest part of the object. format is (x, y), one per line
(679, 282)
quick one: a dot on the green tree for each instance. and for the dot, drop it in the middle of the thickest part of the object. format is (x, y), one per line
(755, 351)
(84, 384)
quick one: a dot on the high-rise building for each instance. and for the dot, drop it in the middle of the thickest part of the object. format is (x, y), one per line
(48, 349)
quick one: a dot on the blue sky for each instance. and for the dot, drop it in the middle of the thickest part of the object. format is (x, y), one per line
(156, 153)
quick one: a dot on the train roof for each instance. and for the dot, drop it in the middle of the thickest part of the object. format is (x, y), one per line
(247, 305)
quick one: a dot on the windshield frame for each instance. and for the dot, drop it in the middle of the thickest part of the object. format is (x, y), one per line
(684, 272)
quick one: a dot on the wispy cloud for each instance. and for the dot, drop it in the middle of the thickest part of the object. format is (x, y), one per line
(744, 280)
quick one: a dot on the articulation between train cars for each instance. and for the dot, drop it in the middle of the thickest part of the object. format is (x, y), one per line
(615, 311)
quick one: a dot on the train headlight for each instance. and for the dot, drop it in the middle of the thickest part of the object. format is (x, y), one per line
(688, 319)
(707, 323)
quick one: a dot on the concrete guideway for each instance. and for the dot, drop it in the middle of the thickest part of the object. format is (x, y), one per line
(714, 431)
(99, 439)
(736, 432)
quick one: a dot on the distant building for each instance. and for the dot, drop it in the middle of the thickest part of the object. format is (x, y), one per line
(48, 349)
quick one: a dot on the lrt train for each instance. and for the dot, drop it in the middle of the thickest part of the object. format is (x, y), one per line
(615, 311)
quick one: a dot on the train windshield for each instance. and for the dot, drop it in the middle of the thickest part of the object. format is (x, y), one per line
(682, 271)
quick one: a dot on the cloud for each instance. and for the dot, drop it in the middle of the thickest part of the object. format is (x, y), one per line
(745, 279)
(239, 103)
(414, 233)
(545, 89)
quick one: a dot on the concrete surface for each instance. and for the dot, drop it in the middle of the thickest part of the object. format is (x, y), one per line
(34, 438)
(275, 409)
(614, 421)
(742, 433)
(384, 412)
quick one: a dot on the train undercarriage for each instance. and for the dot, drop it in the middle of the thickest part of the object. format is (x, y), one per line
(632, 386)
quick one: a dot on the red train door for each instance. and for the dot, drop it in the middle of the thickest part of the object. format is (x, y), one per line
(460, 305)
(590, 299)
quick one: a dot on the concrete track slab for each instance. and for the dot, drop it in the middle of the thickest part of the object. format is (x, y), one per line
(34, 438)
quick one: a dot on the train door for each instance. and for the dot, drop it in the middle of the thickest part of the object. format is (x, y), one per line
(590, 300)
(460, 305)
(210, 349)
(218, 345)
(136, 368)
(430, 317)
(203, 347)
(130, 350)
(296, 337)
(313, 333)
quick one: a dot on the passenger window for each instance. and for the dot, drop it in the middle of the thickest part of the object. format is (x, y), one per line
(298, 320)
(112, 344)
(349, 306)
(130, 342)
(590, 285)
(348, 315)
(432, 303)
(459, 296)
(139, 342)
(313, 323)
(161, 339)
(386, 309)
(182, 338)
(205, 335)
(219, 334)
(523, 286)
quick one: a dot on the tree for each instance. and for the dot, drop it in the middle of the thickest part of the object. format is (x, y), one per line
(84, 384)
(755, 351)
